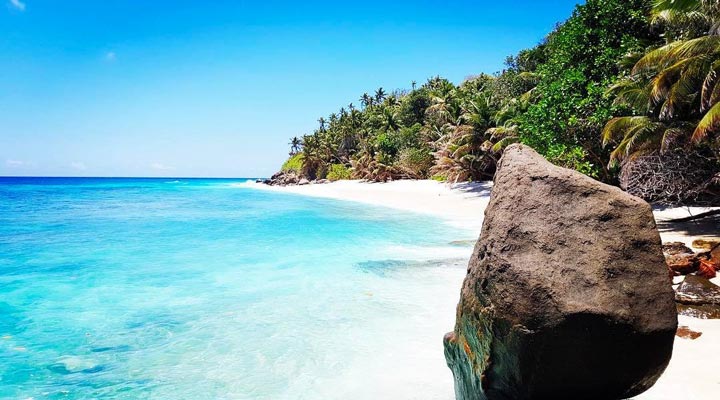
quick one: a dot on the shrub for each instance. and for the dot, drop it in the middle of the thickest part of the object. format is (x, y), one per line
(338, 172)
(416, 162)
(294, 164)
(438, 178)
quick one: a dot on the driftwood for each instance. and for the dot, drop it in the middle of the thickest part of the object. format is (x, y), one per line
(696, 217)
(677, 177)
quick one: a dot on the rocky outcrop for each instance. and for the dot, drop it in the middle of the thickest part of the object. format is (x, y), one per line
(288, 178)
(284, 178)
(567, 294)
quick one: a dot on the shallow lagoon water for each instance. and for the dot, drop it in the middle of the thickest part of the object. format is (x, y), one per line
(204, 289)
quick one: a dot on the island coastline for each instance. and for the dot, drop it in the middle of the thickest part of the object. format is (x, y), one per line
(463, 205)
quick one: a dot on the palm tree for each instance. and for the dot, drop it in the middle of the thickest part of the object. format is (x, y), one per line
(675, 87)
(365, 100)
(379, 95)
(390, 120)
(295, 145)
(687, 19)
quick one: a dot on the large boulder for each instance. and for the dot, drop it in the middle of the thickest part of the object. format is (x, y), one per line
(567, 294)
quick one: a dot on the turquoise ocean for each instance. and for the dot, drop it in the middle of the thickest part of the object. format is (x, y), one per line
(212, 289)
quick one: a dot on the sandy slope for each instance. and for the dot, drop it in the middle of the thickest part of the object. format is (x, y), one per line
(694, 372)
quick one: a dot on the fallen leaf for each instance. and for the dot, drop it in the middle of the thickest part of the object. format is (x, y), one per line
(687, 333)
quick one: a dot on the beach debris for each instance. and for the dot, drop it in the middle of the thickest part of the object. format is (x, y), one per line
(687, 333)
(682, 260)
(706, 269)
(714, 256)
(703, 244)
(682, 264)
(675, 248)
(567, 293)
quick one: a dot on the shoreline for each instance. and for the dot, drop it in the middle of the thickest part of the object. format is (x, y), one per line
(455, 203)
(452, 203)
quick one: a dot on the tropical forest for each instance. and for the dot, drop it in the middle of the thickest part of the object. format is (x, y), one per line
(625, 91)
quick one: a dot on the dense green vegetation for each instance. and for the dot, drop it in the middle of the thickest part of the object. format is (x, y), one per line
(617, 80)
(673, 88)
(294, 163)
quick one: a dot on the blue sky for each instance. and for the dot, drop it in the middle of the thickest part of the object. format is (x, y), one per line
(216, 88)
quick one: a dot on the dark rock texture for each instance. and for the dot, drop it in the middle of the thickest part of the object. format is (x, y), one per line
(284, 178)
(567, 294)
(680, 259)
(698, 297)
(675, 248)
(701, 311)
(696, 290)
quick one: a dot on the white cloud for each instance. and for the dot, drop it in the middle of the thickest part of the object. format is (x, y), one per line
(15, 163)
(161, 167)
(17, 4)
(110, 56)
(78, 165)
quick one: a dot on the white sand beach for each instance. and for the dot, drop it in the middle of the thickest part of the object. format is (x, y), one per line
(462, 204)
(693, 371)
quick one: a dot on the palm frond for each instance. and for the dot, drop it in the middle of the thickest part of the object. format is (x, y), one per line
(635, 93)
(671, 137)
(620, 126)
(710, 123)
(710, 88)
(702, 46)
(503, 143)
(655, 59)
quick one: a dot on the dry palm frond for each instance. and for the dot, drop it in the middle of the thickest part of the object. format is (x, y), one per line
(710, 92)
(677, 177)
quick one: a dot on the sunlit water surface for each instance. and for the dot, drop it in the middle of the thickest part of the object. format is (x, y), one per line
(206, 289)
